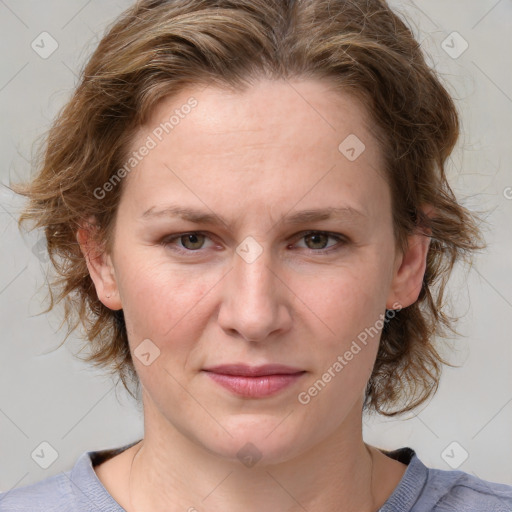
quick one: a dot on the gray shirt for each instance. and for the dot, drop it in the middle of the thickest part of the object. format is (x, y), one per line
(421, 489)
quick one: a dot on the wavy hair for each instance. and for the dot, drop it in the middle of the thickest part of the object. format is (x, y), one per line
(158, 47)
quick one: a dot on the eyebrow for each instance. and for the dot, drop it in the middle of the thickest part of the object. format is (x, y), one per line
(346, 213)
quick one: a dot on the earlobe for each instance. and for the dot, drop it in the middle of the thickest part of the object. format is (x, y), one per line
(100, 266)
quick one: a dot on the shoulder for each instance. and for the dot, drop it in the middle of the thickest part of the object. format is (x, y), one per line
(457, 490)
(75, 490)
(424, 489)
(51, 495)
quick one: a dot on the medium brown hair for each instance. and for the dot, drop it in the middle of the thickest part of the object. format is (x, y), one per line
(158, 47)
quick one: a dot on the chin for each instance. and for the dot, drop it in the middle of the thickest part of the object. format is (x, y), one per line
(254, 442)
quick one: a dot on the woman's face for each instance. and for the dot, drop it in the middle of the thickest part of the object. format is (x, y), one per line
(252, 288)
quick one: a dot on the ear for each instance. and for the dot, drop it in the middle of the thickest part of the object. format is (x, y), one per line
(410, 268)
(99, 264)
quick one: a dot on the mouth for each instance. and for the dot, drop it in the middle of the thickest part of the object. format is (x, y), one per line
(255, 381)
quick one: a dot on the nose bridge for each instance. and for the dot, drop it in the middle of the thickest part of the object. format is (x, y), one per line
(254, 276)
(252, 305)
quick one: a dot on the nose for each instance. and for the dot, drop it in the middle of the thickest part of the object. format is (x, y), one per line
(255, 301)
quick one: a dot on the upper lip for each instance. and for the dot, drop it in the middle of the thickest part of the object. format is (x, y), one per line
(254, 371)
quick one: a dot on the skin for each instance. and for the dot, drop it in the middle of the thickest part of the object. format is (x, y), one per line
(253, 157)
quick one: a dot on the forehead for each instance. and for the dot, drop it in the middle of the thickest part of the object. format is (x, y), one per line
(280, 139)
(262, 106)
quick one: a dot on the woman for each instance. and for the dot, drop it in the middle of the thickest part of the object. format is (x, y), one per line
(247, 207)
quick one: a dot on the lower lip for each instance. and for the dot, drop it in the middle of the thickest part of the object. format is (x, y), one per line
(255, 387)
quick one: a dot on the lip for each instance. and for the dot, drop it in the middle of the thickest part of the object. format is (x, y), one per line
(243, 370)
(254, 381)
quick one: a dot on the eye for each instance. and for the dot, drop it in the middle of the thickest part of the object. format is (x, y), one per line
(190, 242)
(317, 240)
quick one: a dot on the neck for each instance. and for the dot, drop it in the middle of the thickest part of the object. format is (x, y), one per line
(173, 473)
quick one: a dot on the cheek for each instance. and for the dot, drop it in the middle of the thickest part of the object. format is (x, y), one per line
(159, 302)
(345, 348)
(343, 303)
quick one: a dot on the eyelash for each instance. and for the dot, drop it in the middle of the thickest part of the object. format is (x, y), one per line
(167, 242)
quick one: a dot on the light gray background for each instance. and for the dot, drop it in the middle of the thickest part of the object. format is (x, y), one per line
(50, 396)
